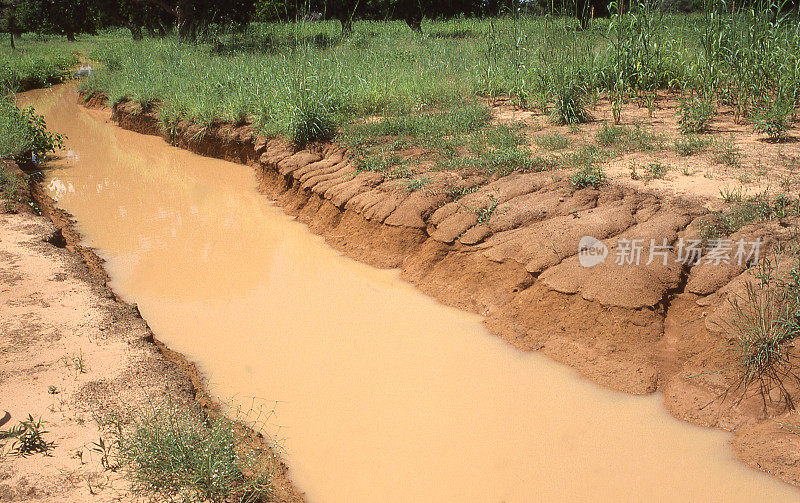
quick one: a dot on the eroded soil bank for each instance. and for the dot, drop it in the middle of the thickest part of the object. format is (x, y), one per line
(494, 404)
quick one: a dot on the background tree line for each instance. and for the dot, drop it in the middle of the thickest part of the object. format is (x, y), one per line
(189, 17)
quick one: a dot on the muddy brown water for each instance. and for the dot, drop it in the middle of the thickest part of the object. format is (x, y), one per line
(380, 393)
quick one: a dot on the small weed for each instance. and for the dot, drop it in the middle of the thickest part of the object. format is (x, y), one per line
(28, 437)
(655, 171)
(608, 134)
(726, 152)
(104, 451)
(652, 171)
(484, 214)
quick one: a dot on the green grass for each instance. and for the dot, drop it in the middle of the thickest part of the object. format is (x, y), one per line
(553, 141)
(385, 83)
(39, 61)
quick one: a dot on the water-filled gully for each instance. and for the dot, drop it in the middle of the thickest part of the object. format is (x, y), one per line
(382, 393)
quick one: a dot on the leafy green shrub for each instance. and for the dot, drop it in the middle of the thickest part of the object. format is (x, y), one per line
(696, 114)
(589, 175)
(23, 134)
(177, 452)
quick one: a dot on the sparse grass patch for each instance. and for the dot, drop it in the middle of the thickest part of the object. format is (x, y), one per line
(744, 211)
(691, 144)
(417, 183)
(179, 452)
(765, 319)
(552, 141)
(726, 152)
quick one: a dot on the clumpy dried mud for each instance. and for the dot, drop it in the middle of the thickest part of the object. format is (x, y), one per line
(73, 354)
(637, 329)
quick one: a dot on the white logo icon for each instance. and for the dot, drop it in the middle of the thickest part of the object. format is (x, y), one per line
(591, 251)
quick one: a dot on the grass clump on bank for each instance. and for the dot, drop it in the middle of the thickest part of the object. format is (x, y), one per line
(179, 452)
(765, 320)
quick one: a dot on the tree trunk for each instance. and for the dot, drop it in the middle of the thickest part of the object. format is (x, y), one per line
(347, 25)
(185, 19)
(70, 36)
(11, 35)
(415, 23)
(136, 31)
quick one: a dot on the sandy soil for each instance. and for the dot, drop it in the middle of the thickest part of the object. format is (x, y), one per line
(637, 329)
(72, 353)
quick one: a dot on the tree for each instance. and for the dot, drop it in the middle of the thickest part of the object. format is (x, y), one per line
(8, 19)
(191, 15)
(133, 15)
(59, 17)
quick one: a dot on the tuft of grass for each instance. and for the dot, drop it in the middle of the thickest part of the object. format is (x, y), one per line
(569, 107)
(311, 122)
(417, 183)
(589, 175)
(178, 452)
(745, 211)
(732, 194)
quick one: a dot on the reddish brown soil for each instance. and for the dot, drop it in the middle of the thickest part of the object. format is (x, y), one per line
(54, 305)
(635, 329)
